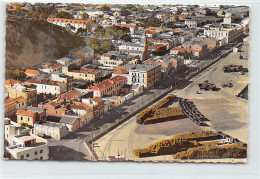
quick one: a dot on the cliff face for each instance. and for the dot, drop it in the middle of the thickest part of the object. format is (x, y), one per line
(29, 43)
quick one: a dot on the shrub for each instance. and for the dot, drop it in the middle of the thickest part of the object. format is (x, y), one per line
(198, 136)
(146, 113)
(213, 152)
(163, 147)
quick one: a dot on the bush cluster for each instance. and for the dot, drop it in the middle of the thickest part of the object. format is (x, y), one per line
(198, 136)
(164, 147)
(186, 146)
(146, 113)
(213, 152)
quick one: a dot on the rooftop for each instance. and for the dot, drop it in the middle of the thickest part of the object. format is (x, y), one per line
(67, 119)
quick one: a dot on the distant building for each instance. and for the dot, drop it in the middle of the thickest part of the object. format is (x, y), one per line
(48, 67)
(212, 43)
(76, 23)
(190, 23)
(197, 48)
(131, 27)
(83, 73)
(32, 73)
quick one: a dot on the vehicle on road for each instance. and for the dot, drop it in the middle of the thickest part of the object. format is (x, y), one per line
(225, 85)
(232, 68)
(205, 85)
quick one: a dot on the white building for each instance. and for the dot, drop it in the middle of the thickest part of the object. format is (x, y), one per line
(191, 23)
(47, 86)
(24, 145)
(52, 129)
(76, 23)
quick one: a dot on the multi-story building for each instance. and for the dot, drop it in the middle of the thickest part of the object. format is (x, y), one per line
(131, 27)
(48, 67)
(62, 78)
(164, 62)
(76, 23)
(52, 129)
(227, 29)
(47, 86)
(197, 48)
(145, 75)
(30, 115)
(108, 87)
(83, 73)
(13, 104)
(190, 23)
(18, 90)
(22, 145)
(212, 43)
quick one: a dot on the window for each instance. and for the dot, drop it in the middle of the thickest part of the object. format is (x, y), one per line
(22, 156)
(21, 118)
(35, 153)
(41, 158)
(27, 155)
(28, 119)
(41, 151)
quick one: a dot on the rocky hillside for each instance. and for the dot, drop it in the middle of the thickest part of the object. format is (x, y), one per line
(29, 43)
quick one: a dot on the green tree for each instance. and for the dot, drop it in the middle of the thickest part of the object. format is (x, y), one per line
(63, 14)
(104, 7)
(154, 22)
(106, 45)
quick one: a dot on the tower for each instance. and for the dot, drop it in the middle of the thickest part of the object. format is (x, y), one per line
(144, 54)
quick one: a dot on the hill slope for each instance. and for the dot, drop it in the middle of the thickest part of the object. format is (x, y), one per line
(29, 43)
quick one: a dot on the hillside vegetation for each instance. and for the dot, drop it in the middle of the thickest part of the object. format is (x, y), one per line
(29, 43)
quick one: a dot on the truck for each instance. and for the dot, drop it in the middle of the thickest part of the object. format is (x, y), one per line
(205, 85)
(232, 68)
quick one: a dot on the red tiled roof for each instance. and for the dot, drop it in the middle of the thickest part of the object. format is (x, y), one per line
(121, 70)
(19, 99)
(9, 101)
(184, 49)
(80, 105)
(30, 71)
(70, 94)
(25, 112)
(189, 19)
(107, 54)
(107, 83)
(44, 81)
(154, 28)
(68, 20)
(150, 31)
(11, 81)
(126, 25)
(97, 99)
